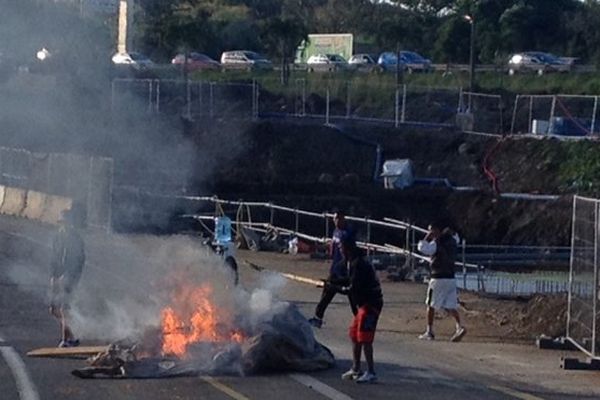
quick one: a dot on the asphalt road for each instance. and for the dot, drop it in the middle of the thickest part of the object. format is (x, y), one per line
(407, 368)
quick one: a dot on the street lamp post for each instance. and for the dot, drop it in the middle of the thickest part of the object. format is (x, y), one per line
(471, 21)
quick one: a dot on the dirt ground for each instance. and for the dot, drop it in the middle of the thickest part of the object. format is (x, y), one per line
(488, 319)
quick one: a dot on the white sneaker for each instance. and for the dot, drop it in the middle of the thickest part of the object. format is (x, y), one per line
(427, 336)
(458, 335)
(351, 375)
(367, 377)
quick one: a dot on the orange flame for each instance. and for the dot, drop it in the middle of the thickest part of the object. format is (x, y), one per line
(194, 318)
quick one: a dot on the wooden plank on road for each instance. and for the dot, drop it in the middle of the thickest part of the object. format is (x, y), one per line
(67, 351)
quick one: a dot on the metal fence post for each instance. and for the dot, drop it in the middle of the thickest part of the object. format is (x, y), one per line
(552, 110)
(157, 104)
(272, 214)
(111, 175)
(514, 116)
(211, 99)
(150, 94)
(112, 95)
(255, 97)
(188, 100)
(403, 113)
(464, 248)
(408, 247)
(69, 173)
(368, 235)
(348, 101)
(326, 224)
(595, 288)
(397, 108)
(593, 127)
(200, 102)
(89, 201)
(530, 114)
(327, 107)
(303, 97)
(297, 225)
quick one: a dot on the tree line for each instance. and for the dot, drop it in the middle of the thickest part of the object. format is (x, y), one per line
(435, 28)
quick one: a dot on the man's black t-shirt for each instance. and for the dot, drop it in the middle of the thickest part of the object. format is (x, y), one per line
(364, 288)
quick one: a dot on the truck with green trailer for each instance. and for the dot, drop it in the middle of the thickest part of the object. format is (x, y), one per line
(325, 43)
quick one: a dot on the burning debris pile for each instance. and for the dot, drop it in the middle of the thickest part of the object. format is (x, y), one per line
(199, 335)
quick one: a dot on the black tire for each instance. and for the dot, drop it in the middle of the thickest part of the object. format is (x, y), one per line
(231, 263)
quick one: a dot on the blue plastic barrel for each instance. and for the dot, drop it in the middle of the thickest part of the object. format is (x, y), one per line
(222, 230)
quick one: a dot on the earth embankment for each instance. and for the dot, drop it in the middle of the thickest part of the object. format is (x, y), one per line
(322, 168)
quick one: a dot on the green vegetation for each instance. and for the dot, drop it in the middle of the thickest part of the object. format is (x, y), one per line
(436, 28)
(580, 169)
(486, 82)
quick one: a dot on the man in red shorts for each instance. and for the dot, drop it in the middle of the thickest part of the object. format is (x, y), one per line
(365, 292)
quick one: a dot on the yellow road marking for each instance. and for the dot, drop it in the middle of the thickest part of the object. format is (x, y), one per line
(224, 388)
(515, 393)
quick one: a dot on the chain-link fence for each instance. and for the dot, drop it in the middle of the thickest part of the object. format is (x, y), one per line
(335, 100)
(87, 180)
(564, 115)
(332, 100)
(583, 316)
(487, 111)
(327, 100)
(189, 98)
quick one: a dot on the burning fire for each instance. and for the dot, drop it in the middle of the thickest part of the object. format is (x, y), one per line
(193, 317)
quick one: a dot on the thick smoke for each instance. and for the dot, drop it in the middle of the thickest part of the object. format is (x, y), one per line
(66, 105)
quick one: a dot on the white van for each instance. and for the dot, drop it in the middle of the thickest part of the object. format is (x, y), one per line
(244, 59)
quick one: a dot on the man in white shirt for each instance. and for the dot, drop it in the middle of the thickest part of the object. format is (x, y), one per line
(441, 245)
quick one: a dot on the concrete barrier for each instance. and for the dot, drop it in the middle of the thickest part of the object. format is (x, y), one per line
(54, 207)
(14, 201)
(2, 191)
(34, 205)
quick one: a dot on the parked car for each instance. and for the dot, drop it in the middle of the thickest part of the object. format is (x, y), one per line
(133, 59)
(326, 62)
(196, 61)
(409, 62)
(244, 59)
(537, 62)
(362, 62)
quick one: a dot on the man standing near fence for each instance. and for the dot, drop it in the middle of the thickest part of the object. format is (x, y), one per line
(338, 271)
(441, 244)
(66, 264)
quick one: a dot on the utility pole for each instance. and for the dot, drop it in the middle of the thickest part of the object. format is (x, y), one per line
(124, 38)
(471, 20)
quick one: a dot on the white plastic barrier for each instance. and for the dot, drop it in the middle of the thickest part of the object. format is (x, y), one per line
(34, 205)
(14, 201)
